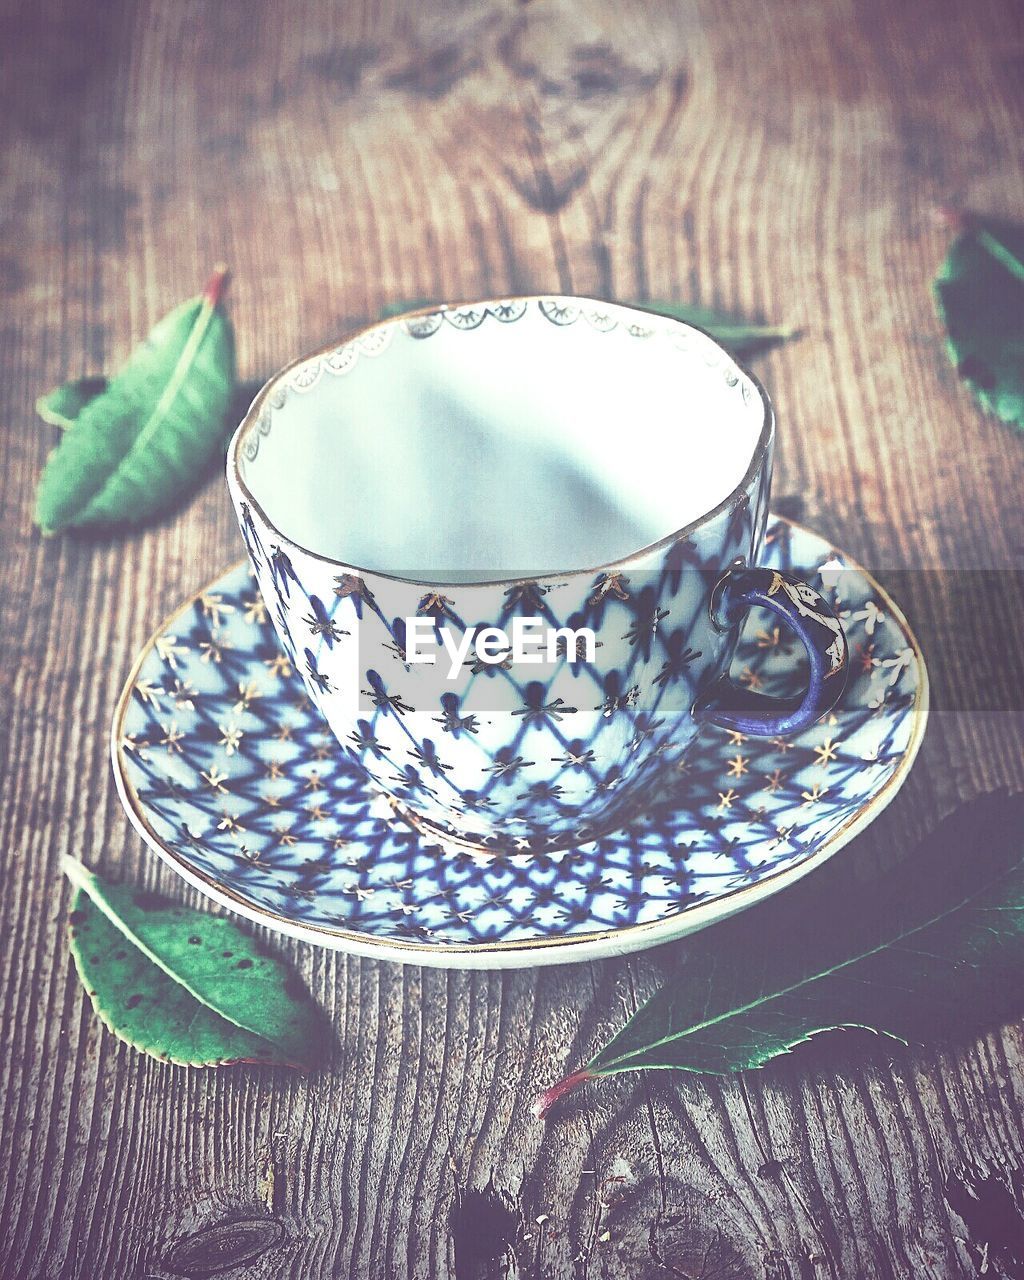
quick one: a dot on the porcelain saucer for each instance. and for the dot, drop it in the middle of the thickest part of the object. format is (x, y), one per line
(229, 773)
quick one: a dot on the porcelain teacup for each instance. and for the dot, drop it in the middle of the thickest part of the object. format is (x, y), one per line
(509, 546)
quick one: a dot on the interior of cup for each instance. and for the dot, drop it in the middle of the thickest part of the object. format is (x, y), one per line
(504, 439)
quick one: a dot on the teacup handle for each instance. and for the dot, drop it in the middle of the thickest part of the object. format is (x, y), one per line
(730, 705)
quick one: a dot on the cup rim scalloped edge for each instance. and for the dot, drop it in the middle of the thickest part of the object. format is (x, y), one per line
(237, 484)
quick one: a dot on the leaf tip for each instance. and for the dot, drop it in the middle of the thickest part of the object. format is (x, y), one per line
(45, 516)
(76, 871)
(949, 216)
(216, 284)
(47, 526)
(544, 1101)
(43, 410)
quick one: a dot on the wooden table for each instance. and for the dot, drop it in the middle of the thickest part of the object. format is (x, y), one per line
(781, 160)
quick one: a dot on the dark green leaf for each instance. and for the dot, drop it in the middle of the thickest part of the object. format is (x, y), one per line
(980, 294)
(741, 337)
(392, 309)
(144, 441)
(912, 955)
(184, 985)
(61, 406)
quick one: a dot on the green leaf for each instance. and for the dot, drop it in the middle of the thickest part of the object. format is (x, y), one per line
(391, 309)
(980, 295)
(912, 955)
(144, 441)
(183, 985)
(739, 336)
(61, 406)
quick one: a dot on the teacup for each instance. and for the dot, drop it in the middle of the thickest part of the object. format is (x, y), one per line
(562, 502)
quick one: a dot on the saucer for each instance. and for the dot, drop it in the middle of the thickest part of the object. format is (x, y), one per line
(230, 774)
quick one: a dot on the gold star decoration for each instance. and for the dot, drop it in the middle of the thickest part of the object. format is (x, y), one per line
(296, 889)
(274, 769)
(270, 799)
(169, 651)
(610, 584)
(750, 678)
(212, 607)
(229, 822)
(781, 744)
(865, 655)
(348, 584)
(770, 639)
(172, 738)
(527, 593)
(434, 600)
(725, 798)
(210, 651)
(736, 738)
(248, 691)
(313, 782)
(215, 779)
(279, 666)
(359, 892)
(284, 734)
(230, 738)
(826, 752)
(184, 694)
(737, 766)
(814, 795)
(316, 812)
(255, 610)
(149, 692)
(283, 833)
(774, 780)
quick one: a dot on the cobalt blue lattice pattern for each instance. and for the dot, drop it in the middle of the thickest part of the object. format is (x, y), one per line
(240, 781)
(516, 756)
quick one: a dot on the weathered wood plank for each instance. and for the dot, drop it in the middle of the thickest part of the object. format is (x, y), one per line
(779, 161)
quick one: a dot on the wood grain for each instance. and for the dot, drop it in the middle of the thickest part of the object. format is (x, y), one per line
(782, 160)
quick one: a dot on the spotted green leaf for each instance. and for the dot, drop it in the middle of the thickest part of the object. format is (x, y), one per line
(980, 296)
(61, 406)
(186, 986)
(143, 441)
(913, 955)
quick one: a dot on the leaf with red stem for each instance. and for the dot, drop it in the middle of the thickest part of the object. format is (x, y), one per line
(146, 437)
(915, 955)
